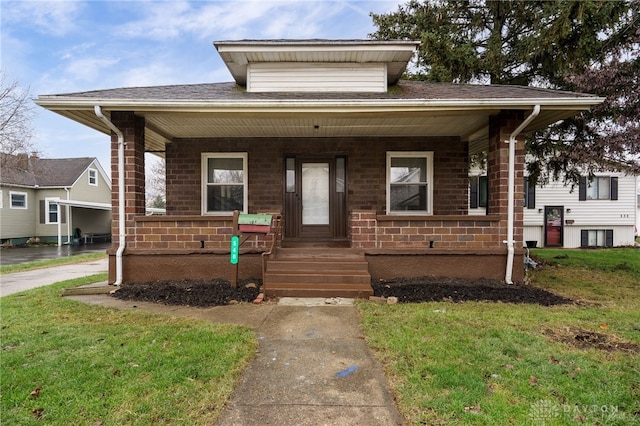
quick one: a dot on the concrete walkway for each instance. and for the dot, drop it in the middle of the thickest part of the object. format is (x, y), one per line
(312, 367)
(21, 281)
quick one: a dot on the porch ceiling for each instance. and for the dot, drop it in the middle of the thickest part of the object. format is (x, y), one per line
(164, 126)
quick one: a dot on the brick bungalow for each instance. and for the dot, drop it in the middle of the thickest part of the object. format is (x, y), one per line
(369, 172)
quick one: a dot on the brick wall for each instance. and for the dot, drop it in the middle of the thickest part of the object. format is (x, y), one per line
(370, 230)
(366, 162)
(195, 232)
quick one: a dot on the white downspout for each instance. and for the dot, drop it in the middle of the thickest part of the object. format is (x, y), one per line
(59, 225)
(511, 192)
(121, 210)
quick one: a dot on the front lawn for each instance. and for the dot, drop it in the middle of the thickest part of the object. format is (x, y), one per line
(500, 363)
(64, 363)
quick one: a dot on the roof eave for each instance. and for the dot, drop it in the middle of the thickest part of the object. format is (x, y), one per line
(73, 103)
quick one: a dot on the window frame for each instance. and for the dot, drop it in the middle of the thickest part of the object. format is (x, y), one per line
(607, 235)
(94, 172)
(26, 200)
(47, 205)
(586, 184)
(428, 156)
(204, 173)
(478, 192)
(600, 185)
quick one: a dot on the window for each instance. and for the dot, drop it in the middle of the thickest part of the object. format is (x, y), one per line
(93, 177)
(598, 188)
(409, 177)
(18, 200)
(2, 199)
(478, 191)
(51, 210)
(224, 177)
(596, 238)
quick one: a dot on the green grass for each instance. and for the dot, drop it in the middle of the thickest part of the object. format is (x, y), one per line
(605, 260)
(22, 267)
(96, 365)
(506, 364)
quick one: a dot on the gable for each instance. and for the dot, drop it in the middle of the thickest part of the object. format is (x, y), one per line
(317, 65)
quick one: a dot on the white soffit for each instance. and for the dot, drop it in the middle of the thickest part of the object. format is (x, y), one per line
(238, 54)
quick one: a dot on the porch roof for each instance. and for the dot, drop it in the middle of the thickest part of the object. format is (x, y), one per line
(409, 108)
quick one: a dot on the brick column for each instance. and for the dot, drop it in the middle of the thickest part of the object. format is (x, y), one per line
(363, 229)
(132, 127)
(500, 128)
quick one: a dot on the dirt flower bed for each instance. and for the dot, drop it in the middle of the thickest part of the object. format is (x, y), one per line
(200, 293)
(423, 289)
(437, 289)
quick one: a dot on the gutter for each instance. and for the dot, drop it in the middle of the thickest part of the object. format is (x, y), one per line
(121, 209)
(55, 103)
(511, 192)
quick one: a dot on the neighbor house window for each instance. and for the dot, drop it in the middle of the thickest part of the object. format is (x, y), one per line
(224, 177)
(478, 190)
(598, 188)
(93, 177)
(51, 211)
(409, 182)
(18, 200)
(2, 199)
(596, 238)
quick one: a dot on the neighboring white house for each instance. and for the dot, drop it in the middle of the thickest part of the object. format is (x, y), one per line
(50, 198)
(601, 212)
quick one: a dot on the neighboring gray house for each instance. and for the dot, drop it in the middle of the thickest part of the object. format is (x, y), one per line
(53, 200)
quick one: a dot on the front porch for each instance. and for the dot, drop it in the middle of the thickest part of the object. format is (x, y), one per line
(379, 247)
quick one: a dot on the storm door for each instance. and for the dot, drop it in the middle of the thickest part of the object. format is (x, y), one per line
(553, 218)
(315, 198)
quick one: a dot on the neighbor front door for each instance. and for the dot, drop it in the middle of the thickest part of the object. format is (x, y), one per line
(315, 198)
(553, 218)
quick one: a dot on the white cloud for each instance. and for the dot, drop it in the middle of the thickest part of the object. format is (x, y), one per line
(227, 20)
(69, 53)
(50, 17)
(157, 73)
(89, 69)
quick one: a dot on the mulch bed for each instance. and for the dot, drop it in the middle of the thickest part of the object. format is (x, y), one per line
(201, 293)
(437, 289)
(217, 292)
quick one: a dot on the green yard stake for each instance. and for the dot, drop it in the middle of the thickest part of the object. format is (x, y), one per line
(235, 247)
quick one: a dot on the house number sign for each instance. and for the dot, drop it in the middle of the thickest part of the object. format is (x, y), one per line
(235, 247)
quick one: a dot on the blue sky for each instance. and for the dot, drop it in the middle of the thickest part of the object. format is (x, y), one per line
(53, 47)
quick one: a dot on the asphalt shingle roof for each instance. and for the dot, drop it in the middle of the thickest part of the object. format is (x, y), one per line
(405, 89)
(44, 172)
